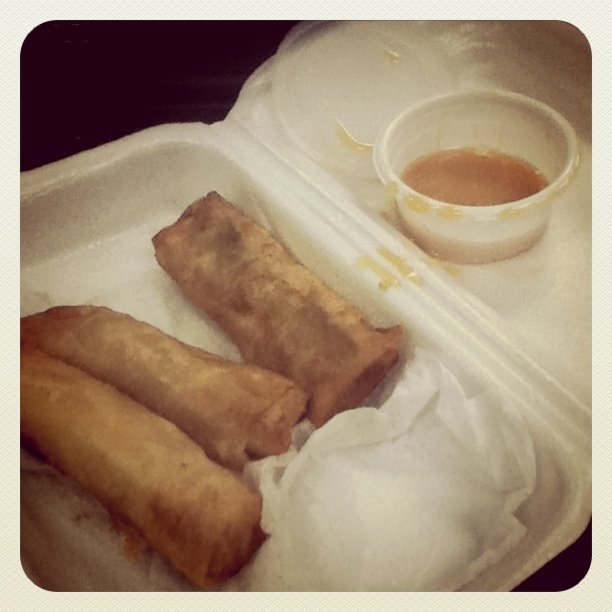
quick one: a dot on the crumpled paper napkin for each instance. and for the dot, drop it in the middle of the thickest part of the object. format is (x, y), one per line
(418, 495)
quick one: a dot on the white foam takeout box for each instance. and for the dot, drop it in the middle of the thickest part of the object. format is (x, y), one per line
(294, 154)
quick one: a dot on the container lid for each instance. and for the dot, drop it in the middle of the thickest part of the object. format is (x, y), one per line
(336, 85)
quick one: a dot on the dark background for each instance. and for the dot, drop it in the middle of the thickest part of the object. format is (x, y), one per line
(87, 83)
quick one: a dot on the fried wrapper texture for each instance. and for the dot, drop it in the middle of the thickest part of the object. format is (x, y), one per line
(279, 315)
(195, 513)
(232, 410)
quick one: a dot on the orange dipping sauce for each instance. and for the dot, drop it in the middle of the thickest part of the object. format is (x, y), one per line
(474, 177)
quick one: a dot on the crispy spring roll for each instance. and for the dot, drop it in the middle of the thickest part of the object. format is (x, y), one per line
(280, 316)
(230, 409)
(197, 514)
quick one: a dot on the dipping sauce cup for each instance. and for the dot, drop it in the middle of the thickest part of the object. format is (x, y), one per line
(486, 122)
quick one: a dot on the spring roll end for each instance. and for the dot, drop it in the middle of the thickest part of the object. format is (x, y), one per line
(327, 402)
(272, 434)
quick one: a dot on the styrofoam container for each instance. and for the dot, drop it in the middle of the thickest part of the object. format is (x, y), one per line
(496, 120)
(87, 224)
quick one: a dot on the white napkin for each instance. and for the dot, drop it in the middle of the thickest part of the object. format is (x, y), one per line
(418, 495)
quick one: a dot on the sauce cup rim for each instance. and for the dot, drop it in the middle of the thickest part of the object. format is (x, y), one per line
(388, 176)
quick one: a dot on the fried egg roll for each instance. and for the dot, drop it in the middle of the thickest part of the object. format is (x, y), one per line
(142, 468)
(230, 409)
(279, 315)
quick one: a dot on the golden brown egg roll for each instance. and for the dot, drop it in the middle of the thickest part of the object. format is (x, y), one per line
(228, 408)
(197, 514)
(279, 314)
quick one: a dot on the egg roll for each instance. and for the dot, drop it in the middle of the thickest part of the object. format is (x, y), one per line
(198, 515)
(233, 410)
(278, 313)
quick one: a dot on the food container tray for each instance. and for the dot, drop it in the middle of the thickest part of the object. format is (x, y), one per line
(87, 222)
